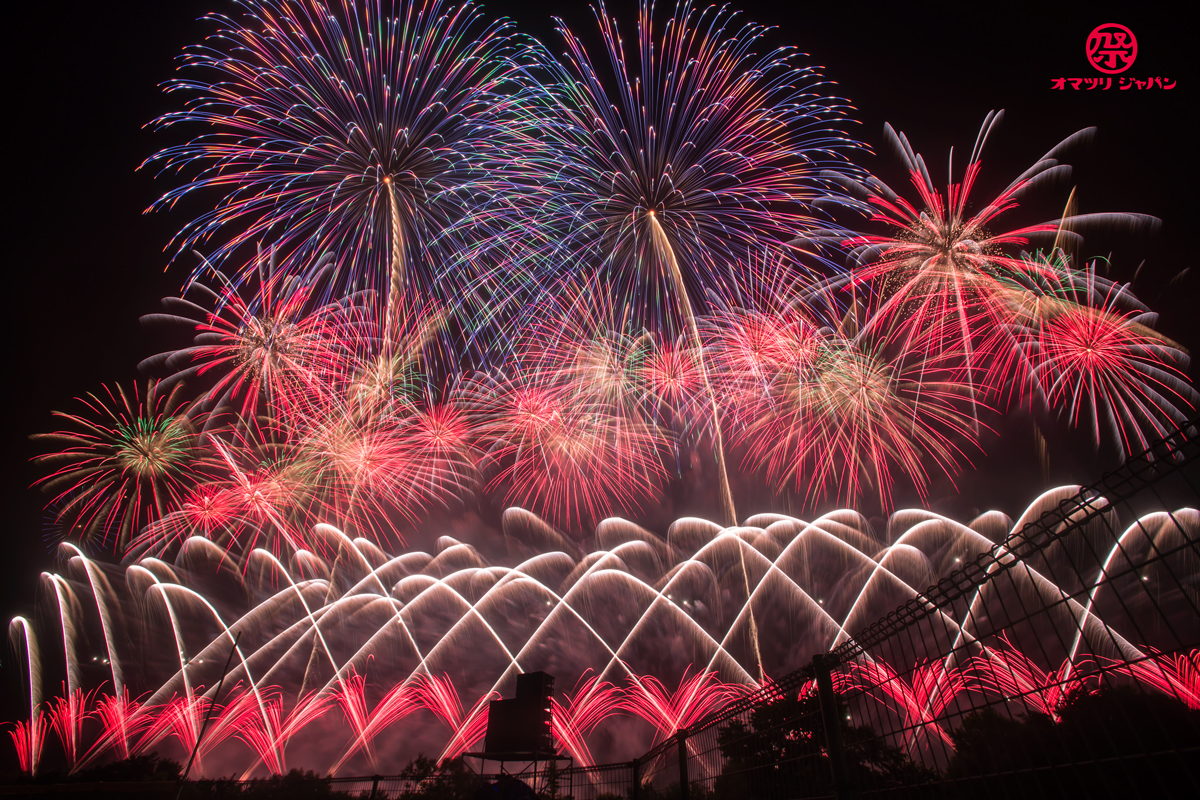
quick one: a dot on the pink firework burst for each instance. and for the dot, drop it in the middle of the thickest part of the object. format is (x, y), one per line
(121, 721)
(824, 411)
(592, 702)
(28, 736)
(572, 463)
(564, 426)
(922, 699)
(67, 715)
(278, 346)
(208, 509)
(674, 384)
(1008, 672)
(466, 727)
(182, 718)
(398, 703)
(695, 698)
(391, 464)
(268, 731)
(1177, 675)
(267, 490)
(943, 272)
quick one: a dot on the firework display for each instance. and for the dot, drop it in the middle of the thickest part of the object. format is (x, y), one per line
(452, 282)
(361, 639)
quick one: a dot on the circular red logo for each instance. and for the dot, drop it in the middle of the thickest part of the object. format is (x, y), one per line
(1111, 48)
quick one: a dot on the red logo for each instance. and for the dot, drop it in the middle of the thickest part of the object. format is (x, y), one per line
(1111, 48)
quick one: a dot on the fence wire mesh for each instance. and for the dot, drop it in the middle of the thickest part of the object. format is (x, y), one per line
(1061, 662)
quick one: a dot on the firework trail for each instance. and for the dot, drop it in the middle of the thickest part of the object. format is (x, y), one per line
(28, 735)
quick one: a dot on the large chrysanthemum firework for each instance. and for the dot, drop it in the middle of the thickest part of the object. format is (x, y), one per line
(366, 130)
(941, 268)
(691, 143)
(124, 463)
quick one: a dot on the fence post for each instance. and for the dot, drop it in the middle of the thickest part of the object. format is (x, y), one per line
(684, 789)
(636, 767)
(822, 665)
(374, 787)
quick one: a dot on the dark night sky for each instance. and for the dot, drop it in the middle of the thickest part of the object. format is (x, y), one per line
(82, 262)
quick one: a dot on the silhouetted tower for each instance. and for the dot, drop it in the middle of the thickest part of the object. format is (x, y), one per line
(521, 727)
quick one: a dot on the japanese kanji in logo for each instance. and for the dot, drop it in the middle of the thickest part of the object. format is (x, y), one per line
(1111, 48)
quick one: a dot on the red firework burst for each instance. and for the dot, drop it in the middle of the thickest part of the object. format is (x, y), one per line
(1099, 359)
(821, 409)
(278, 346)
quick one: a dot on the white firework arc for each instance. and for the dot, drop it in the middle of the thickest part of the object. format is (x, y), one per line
(638, 605)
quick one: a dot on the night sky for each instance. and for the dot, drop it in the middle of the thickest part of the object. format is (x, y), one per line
(82, 262)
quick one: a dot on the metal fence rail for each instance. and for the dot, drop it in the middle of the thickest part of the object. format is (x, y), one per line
(579, 783)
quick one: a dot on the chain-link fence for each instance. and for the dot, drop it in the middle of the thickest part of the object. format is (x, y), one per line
(1062, 662)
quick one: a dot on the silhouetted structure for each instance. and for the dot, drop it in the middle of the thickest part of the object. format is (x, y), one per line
(520, 728)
